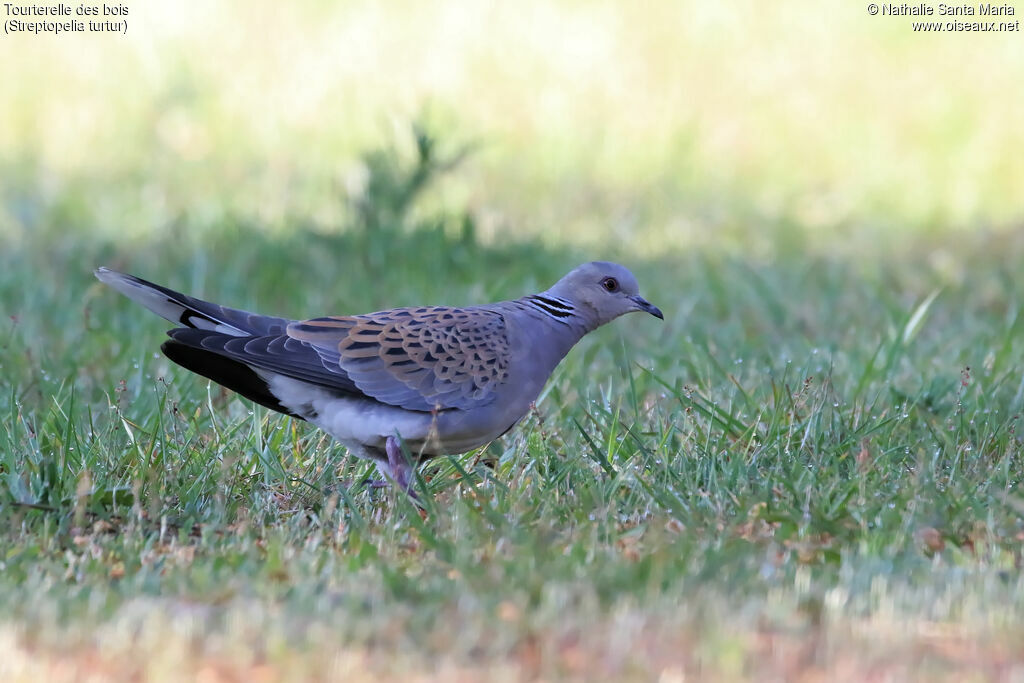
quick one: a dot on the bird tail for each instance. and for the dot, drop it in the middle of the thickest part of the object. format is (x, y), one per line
(185, 347)
(189, 311)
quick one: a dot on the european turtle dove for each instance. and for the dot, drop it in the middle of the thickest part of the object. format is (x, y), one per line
(443, 379)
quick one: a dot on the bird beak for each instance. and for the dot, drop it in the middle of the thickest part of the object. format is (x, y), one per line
(643, 304)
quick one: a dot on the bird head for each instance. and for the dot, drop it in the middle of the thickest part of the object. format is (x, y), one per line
(603, 291)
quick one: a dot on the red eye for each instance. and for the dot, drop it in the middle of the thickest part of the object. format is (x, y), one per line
(610, 284)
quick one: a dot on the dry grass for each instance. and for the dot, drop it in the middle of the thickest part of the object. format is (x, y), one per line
(631, 646)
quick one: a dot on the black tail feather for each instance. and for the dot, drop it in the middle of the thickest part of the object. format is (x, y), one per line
(229, 373)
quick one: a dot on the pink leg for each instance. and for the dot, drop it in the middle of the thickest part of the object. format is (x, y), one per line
(398, 469)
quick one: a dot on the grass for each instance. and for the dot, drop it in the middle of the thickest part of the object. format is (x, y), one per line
(811, 468)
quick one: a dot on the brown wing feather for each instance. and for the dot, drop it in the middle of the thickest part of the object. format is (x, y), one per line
(416, 358)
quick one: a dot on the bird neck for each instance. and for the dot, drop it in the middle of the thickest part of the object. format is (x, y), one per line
(561, 312)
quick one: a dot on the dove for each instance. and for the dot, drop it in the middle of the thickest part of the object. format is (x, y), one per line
(441, 379)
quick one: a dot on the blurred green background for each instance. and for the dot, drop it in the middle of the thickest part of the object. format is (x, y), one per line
(614, 127)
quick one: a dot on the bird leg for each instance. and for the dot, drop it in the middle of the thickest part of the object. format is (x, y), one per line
(396, 469)
(401, 470)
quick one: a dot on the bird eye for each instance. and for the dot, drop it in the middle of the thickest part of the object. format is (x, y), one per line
(610, 284)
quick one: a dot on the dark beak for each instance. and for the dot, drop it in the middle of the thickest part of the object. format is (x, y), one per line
(645, 305)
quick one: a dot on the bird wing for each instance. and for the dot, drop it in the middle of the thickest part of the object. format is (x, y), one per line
(415, 358)
(278, 354)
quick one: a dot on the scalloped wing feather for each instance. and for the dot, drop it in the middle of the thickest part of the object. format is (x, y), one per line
(415, 358)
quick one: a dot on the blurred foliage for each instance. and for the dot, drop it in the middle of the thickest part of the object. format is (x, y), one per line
(652, 127)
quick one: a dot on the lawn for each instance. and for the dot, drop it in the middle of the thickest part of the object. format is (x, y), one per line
(809, 471)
